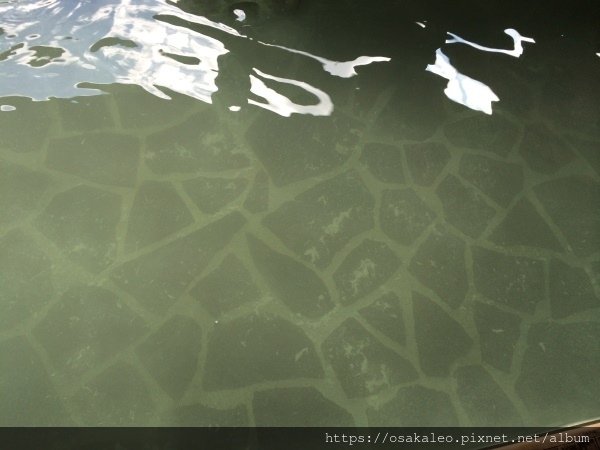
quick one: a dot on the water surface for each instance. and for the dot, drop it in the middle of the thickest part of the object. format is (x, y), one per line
(308, 213)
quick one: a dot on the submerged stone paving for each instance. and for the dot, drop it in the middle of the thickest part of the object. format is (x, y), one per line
(175, 263)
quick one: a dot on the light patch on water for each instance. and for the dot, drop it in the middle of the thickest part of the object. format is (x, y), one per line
(239, 14)
(421, 24)
(282, 105)
(7, 108)
(343, 69)
(461, 88)
(517, 50)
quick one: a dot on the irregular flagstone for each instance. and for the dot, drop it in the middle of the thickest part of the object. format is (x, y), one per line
(426, 161)
(403, 215)
(298, 407)
(572, 105)
(28, 397)
(543, 151)
(82, 222)
(559, 372)
(509, 280)
(588, 149)
(412, 112)
(257, 199)
(523, 225)
(25, 129)
(366, 267)
(299, 287)
(572, 203)
(299, 147)
(441, 340)
(500, 181)
(385, 315)
(21, 190)
(85, 113)
(499, 332)
(212, 194)
(170, 354)
(322, 220)
(362, 364)
(106, 158)
(439, 264)
(157, 279)
(570, 290)
(415, 406)
(140, 109)
(258, 349)
(25, 279)
(89, 325)
(384, 162)
(494, 134)
(198, 415)
(464, 207)
(115, 397)
(484, 400)
(227, 287)
(199, 143)
(156, 213)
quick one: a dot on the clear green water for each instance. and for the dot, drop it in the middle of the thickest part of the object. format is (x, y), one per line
(398, 260)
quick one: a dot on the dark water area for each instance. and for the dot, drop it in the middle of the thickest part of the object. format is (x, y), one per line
(299, 213)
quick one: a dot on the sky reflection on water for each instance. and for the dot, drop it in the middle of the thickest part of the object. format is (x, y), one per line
(52, 48)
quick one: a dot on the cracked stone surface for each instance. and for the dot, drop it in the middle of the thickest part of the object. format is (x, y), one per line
(83, 223)
(258, 349)
(510, 280)
(440, 338)
(383, 162)
(404, 261)
(523, 225)
(363, 365)
(321, 220)
(499, 180)
(158, 278)
(291, 281)
(386, 315)
(171, 354)
(426, 161)
(464, 207)
(476, 388)
(439, 264)
(21, 261)
(484, 134)
(560, 359)
(157, 212)
(543, 151)
(104, 158)
(403, 215)
(86, 327)
(415, 406)
(368, 266)
(227, 287)
(499, 333)
(311, 409)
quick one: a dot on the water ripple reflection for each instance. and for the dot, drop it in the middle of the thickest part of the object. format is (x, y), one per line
(53, 48)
